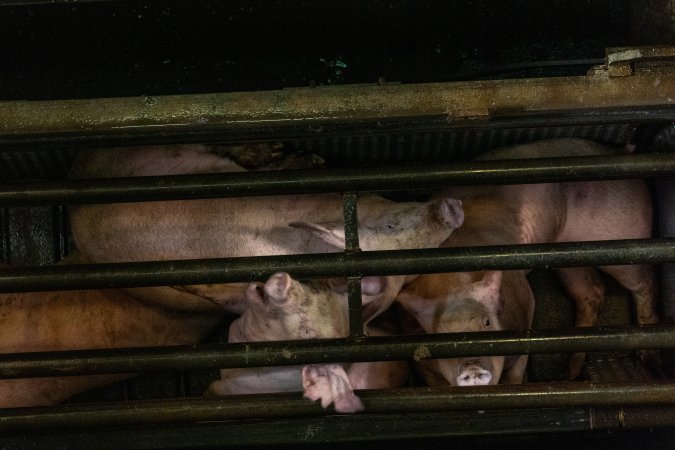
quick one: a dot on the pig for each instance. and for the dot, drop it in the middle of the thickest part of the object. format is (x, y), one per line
(77, 320)
(285, 309)
(230, 227)
(560, 212)
(467, 302)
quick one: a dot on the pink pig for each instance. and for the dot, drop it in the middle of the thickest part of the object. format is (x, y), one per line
(554, 212)
(78, 320)
(284, 309)
(464, 302)
(229, 227)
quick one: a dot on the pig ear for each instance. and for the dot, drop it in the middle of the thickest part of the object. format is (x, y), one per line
(488, 288)
(332, 234)
(420, 308)
(451, 213)
(277, 288)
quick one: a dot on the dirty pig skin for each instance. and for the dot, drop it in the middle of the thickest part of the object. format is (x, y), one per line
(285, 309)
(79, 320)
(230, 227)
(553, 212)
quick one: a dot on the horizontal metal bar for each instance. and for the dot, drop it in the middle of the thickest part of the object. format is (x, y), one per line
(47, 2)
(329, 265)
(376, 402)
(150, 135)
(460, 429)
(315, 430)
(336, 180)
(312, 108)
(377, 348)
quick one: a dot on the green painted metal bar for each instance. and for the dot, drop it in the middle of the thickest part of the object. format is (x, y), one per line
(308, 430)
(376, 402)
(326, 265)
(353, 283)
(336, 180)
(376, 348)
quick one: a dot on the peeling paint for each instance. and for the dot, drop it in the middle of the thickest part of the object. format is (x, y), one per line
(421, 352)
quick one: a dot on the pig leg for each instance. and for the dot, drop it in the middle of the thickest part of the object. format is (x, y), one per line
(588, 292)
(229, 296)
(515, 373)
(640, 280)
(204, 298)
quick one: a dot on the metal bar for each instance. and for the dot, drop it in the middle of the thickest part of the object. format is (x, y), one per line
(328, 265)
(336, 180)
(461, 429)
(132, 136)
(376, 348)
(353, 283)
(309, 430)
(48, 2)
(376, 402)
(311, 108)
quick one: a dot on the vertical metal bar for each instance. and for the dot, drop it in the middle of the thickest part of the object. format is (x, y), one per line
(60, 230)
(4, 234)
(352, 246)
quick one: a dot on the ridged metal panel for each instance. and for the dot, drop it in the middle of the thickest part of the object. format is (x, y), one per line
(35, 164)
(448, 145)
(368, 148)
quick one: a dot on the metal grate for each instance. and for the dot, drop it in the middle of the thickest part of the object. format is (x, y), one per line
(449, 144)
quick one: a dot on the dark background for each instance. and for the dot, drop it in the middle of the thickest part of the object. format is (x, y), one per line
(129, 48)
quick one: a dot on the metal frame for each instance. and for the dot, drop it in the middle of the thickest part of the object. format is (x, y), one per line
(223, 117)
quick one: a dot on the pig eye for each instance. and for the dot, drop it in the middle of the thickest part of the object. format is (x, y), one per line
(487, 322)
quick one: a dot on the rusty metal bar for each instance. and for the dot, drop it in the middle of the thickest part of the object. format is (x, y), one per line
(388, 401)
(328, 265)
(336, 180)
(311, 108)
(377, 348)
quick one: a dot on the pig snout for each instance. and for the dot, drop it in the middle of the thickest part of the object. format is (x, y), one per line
(474, 375)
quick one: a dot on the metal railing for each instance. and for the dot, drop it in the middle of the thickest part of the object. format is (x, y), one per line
(353, 264)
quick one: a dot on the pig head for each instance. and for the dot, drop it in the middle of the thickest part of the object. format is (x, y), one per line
(284, 309)
(231, 227)
(469, 302)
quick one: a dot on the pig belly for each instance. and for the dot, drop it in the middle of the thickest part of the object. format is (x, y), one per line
(258, 380)
(605, 210)
(378, 375)
(192, 229)
(21, 393)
